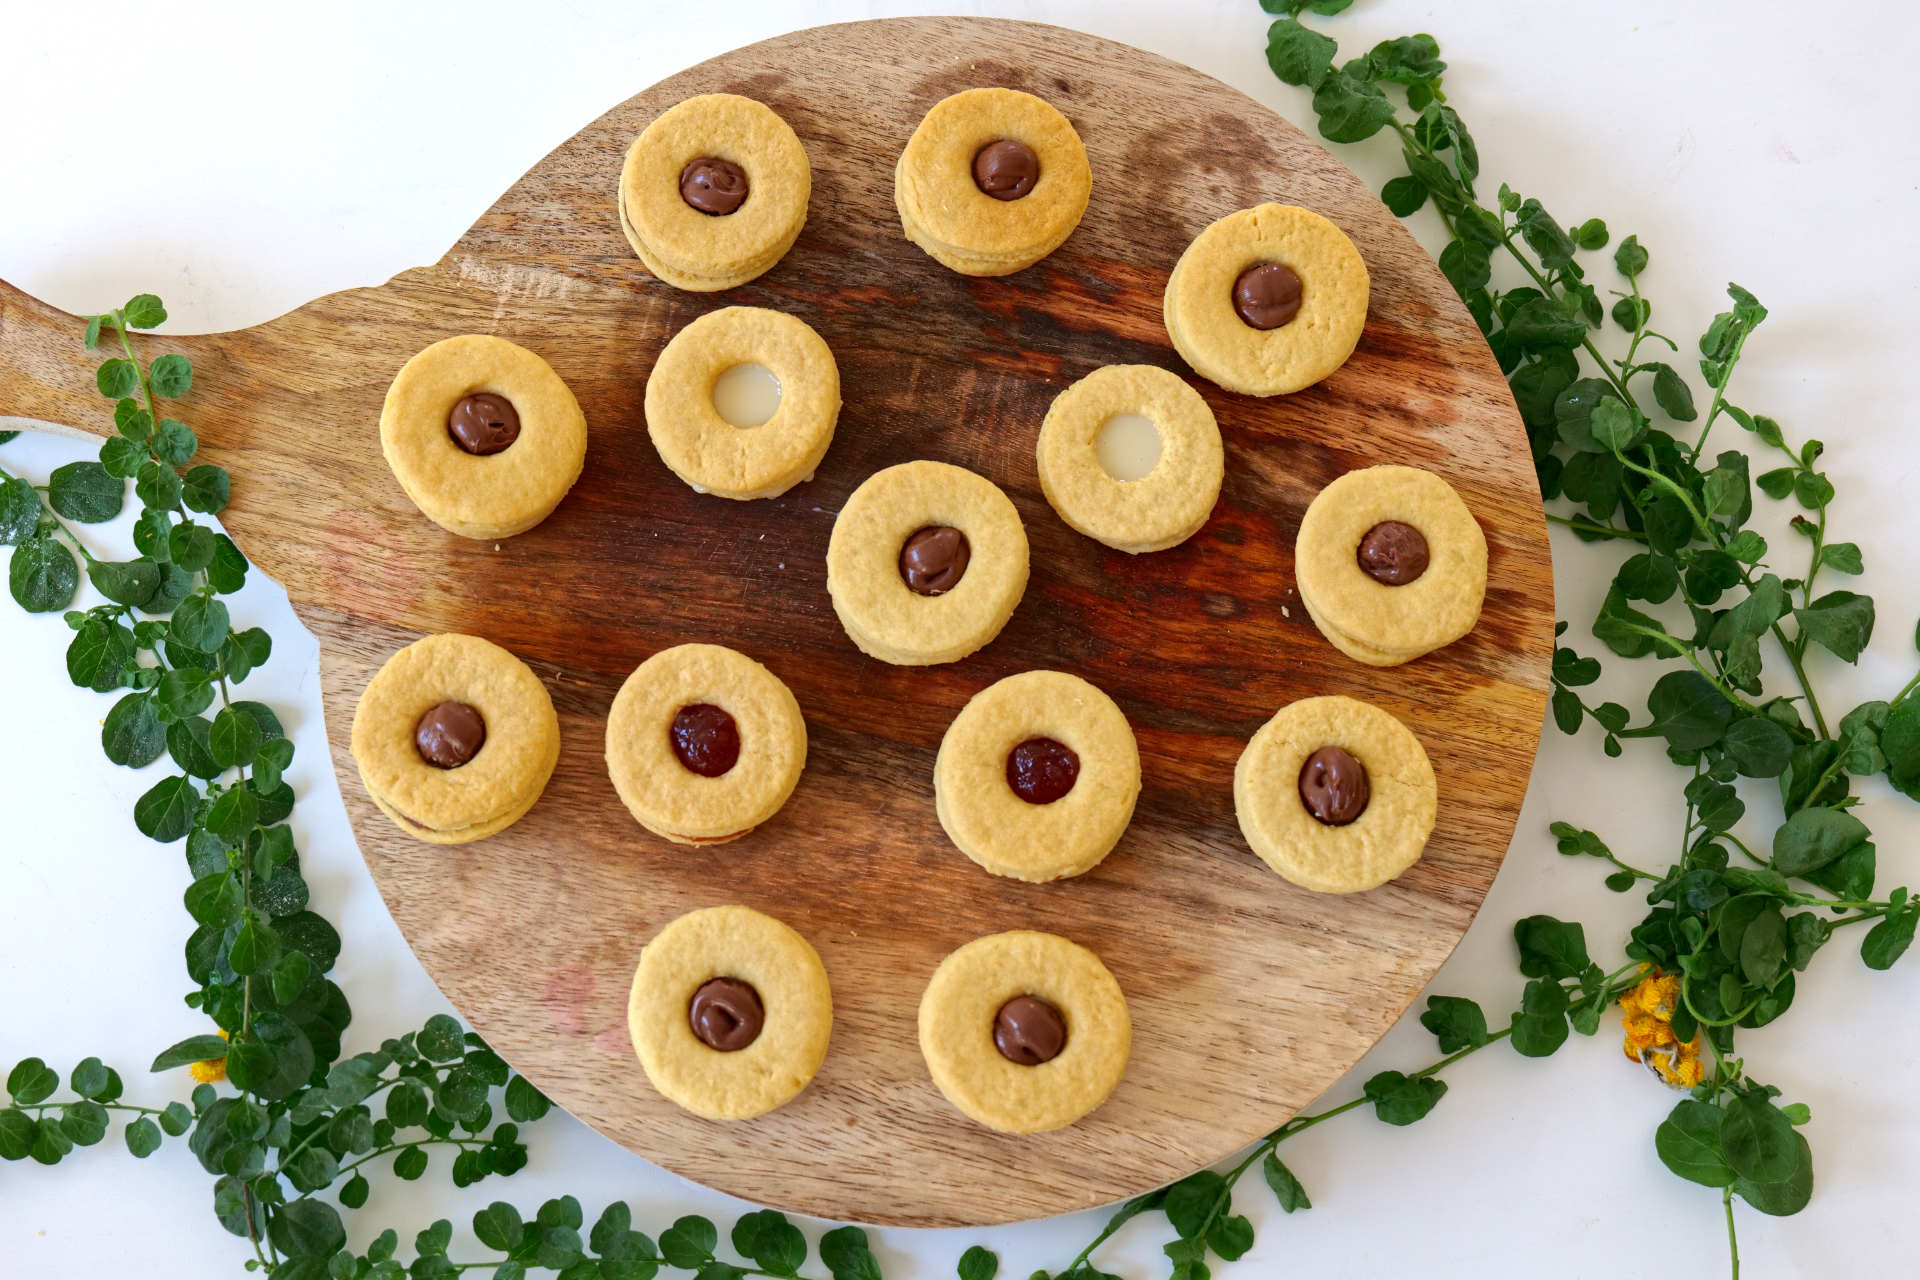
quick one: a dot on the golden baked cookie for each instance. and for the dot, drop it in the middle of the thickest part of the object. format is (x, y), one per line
(714, 192)
(455, 738)
(992, 181)
(712, 454)
(704, 744)
(1335, 795)
(1024, 1031)
(483, 435)
(1037, 776)
(1267, 300)
(730, 1012)
(1158, 510)
(1390, 564)
(926, 563)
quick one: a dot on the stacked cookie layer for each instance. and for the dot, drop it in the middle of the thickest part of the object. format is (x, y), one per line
(1370, 621)
(705, 251)
(945, 210)
(480, 790)
(1289, 349)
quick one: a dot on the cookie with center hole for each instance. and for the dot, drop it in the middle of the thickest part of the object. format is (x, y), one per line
(1169, 499)
(743, 461)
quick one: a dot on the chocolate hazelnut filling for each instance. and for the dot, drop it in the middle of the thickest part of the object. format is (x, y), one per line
(1334, 787)
(726, 1014)
(1028, 1031)
(483, 423)
(934, 559)
(1267, 296)
(1393, 553)
(713, 186)
(1006, 169)
(449, 734)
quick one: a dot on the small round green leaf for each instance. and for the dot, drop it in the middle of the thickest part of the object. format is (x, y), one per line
(191, 546)
(143, 311)
(166, 811)
(206, 488)
(171, 376)
(19, 510)
(143, 1138)
(43, 575)
(235, 738)
(84, 1122)
(441, 1039)
(86, 492)
(307, 1228)
(31, 1081)
(117, 378)
(132, 735)
(174, 442)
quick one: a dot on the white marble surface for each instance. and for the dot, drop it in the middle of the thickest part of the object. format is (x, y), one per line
(242, 159)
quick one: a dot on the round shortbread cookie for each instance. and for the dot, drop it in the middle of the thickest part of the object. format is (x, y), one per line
(661, 788)
(1365, 852)
(957, 1016)
(1222, 347)
(973, 778)
(1161, 509)
(785, 974)
(710, 453)
(491, 495)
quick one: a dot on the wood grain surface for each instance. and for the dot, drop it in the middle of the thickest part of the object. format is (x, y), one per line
(1250, 996)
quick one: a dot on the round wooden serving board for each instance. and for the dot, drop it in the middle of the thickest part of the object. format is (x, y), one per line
(1249, 996)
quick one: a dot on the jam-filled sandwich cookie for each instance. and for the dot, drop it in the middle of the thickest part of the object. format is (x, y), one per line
(734, 459)
(455, 739)
(1268, 300)
(483, 435)
(730, 1012)
(1390, 564)
(1130, 456)
(926, 563)
(1037, 776)
(1024, 1031)
(991, 182)
(1335, 795)
(714, 192)
(704, 744)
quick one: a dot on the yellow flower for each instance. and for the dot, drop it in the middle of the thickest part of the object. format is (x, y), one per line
(213, 1069)
(1647, 1015)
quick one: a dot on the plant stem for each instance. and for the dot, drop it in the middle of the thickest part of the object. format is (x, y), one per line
(1594, 527)
(1819, 783)
(463, 1143)
(132, 1109)
(1546, 287)
(1733, 1240)
(1719, 397)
